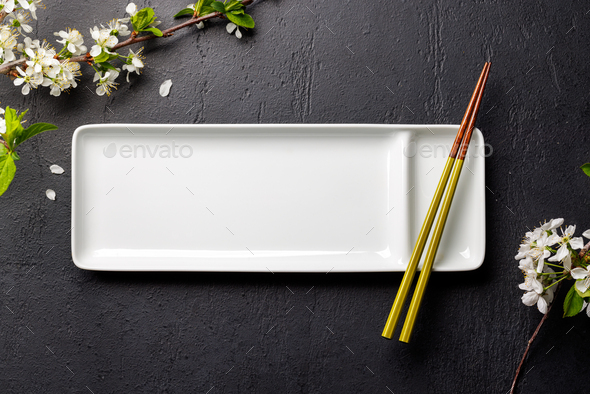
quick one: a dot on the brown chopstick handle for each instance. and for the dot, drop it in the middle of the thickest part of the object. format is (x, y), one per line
(468, 112)
(465, 144)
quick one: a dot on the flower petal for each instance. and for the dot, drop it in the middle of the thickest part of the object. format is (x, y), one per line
(567, 262)
(530, 298)
(50, 194)
(56, 169)
(230, 27)
(537, 286)
(579, 273)
(524, 286)
(577, 243)
(586, 234)
(165, 87)
(542, 305)
(582, 285)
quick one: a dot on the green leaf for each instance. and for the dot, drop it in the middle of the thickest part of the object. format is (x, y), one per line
(156, 32)
(233, 5)
(241, 20)
(142, 19)
(13, 126)
(198, 6)
(103, 57)
(573, 303)
(7, 170)
(586, 169)
(107, 66)
(238, 12)
(206, 10)
(31, 131)
(106, 57)
(183, 12)
(218, 6)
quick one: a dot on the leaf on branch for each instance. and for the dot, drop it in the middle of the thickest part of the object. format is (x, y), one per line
(13, 126)
(244, 20)
(586, 169)
(183, 12)
(107, 66)
(143, 19)
(33, 130)
(218, 6)
(7, 170)
(573, 303)
(206, 10)
(155, 31)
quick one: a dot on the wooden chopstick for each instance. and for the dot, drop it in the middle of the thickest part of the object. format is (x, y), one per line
(440, 224)
(402, 293)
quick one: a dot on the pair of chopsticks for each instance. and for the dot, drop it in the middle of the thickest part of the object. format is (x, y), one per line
(454, 163)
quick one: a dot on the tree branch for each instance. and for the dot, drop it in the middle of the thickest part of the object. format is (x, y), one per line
(528, 346)
(584, 250)
(6, 68)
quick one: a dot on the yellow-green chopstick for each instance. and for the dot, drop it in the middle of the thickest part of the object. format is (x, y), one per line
(440, 225)
(402, 293)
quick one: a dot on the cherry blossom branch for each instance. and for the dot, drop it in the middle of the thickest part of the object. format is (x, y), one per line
(2, 16)
(528, 346)
(7, 68)
(584, 250)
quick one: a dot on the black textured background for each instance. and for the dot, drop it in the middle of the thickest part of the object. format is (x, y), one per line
(213, 333)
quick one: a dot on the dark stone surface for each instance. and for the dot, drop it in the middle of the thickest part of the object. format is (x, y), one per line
(217, 333)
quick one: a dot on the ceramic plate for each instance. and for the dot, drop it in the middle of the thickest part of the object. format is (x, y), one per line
(278, 198)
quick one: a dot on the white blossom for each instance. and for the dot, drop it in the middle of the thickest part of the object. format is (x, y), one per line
(104, 41)
(42, 60)
(29, 79)
(7, 43)
(134, 62)
(20, 21)
(230, 27)
(33, 6)
(582, 276)
(28, 43)
(9, 5)
(62, 77)
(131, 9)
(118, 27)
(106, 82)
(552, 224)
(72, 40)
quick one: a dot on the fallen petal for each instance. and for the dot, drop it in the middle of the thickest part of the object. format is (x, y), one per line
(230, 27)
(56, 169)
(165, 87)
(50, 194)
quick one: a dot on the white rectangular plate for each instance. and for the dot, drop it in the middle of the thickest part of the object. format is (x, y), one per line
(279, 198)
